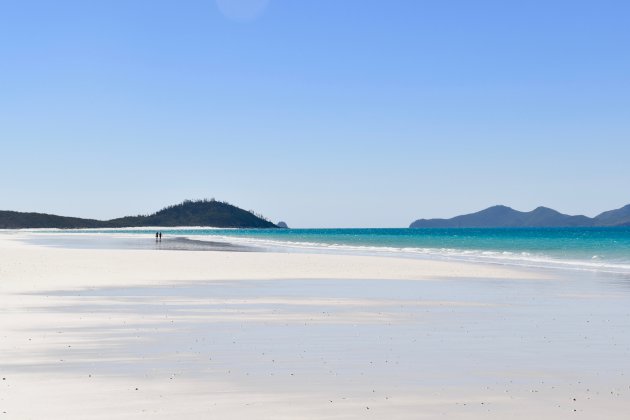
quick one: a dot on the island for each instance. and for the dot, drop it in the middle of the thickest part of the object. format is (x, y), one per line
(503, 216)
(211, 213)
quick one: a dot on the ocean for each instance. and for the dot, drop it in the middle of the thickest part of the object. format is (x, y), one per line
(595, 249)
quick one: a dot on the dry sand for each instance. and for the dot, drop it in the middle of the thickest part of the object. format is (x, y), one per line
(125, 334)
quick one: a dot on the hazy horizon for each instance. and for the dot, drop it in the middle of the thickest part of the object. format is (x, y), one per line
(310, 226)
(320, 114)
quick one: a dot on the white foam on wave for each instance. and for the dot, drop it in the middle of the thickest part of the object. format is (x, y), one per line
(524, 259)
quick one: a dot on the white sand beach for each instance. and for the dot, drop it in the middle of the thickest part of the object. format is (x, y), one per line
(171, 334)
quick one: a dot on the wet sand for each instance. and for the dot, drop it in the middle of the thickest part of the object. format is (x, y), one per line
(107, 241)
(136, 333)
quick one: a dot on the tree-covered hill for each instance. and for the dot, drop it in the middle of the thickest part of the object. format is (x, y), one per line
(189, 213)
(197, 213)
(19, 220)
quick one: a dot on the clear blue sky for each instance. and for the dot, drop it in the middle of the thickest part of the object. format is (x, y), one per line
(322, 113)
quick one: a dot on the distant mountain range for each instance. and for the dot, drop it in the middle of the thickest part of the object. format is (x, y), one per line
(189, 213)
(503, 216)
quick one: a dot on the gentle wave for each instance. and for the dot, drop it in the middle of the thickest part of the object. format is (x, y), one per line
(593, 249)
(525, 259)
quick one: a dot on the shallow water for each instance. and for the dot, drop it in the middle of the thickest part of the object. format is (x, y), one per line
(596, 249)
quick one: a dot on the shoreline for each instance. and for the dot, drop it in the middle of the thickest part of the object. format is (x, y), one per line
(131, 333)
(129, 242)
(148, 265)
(80, 239)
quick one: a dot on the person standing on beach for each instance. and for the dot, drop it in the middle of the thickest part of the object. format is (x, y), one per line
(156, 236)
(160, 236)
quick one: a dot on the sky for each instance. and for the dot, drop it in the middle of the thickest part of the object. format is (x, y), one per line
(321, 113)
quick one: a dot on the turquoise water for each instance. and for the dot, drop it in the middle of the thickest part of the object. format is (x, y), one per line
(606, 249)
